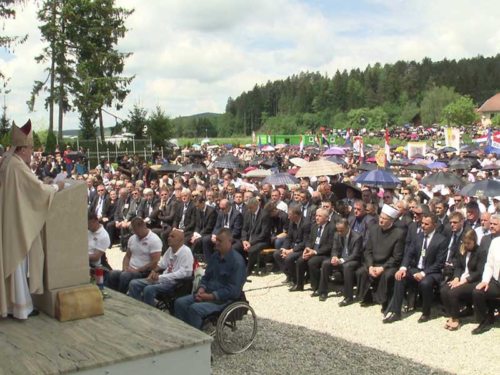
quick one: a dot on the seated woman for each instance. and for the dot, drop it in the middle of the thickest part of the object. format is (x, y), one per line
(470, 264)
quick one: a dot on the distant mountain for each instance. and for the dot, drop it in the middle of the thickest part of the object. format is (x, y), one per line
(74, 132)
(198, 115)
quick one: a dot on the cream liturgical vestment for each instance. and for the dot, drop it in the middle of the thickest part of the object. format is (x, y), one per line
(24, 207)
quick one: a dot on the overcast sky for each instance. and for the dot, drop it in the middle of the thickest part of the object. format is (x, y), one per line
(190, 56)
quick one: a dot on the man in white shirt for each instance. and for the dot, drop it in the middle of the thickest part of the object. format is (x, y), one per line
(488, 289)
(484, 228)
(143, 253)
(98, 240)
(174, 265)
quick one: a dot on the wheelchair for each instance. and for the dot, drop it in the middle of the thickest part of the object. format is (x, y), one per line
(234, 328)
(166, 300)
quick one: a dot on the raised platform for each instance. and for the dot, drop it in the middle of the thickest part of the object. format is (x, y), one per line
(130, 338)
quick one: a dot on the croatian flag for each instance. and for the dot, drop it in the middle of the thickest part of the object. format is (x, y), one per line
(387, 147)
(301, 144)
(361, 150)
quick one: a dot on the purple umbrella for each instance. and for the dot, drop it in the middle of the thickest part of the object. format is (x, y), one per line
(279, 179)
(334, 151)
(437, 165)
(378, 177)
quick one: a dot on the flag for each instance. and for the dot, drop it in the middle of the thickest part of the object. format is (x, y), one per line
(269, 139)
(489, 137)
(260, 142)
(316, 140)
(253, 137)
(387, 147)
(324, 139)
(301, 144)
(452, 138)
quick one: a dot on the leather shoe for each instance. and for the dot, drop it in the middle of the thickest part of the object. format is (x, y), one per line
(296, 288)
(365, 303)
(346, 302)
(423, 318)
(391, 318)
(315, 294)
(323, 297)
(482, 328)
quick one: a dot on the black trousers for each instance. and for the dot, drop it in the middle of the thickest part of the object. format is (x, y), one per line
(254, 255)
(313, 264)
(453, 298)
(287, 265)
(484, 301)
(425, 286)
(381, 285)
(348, 271)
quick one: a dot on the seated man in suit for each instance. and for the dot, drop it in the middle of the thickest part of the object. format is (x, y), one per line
(148, 208)
(359, 221)
(174, 265)
(256, 233)
(227, 217)
(346, 255)
(441, 210)
(422, 263)
(382, 256)
(204, 223)
(222, 284)
(295, 243)
(457, 220)
(185, 216)
(494, 228)
(317, 249)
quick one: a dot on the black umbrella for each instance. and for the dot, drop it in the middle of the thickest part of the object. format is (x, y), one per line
(340, 188)
(447, 149)
(367, 166)
(491, 167)
(228, 162)
(73, 155)
(417, 167)
(256, 162)
(193, 168)
(168, 168)
(468, 148)
(443, 178)
(278, 179)
(269, 163)
(484, 188)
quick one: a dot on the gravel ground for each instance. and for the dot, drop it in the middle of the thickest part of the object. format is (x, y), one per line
(298, 334)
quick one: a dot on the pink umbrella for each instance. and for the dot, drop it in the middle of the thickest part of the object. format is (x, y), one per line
(334, 151)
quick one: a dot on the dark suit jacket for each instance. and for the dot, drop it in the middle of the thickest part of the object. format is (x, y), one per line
(91, 196)
(454, 251)
(143, 211)
(297, 235)
(235, 223)
(260, 231)
(354, 246)
(435, 254)
(279, 223)
(326, 239)
(366, 222)
(189, 219)
(121, 210)
(95, 202)
(134, 208)
(205, 221)
(485, 243)
(476, 264)
(444, 228)
(310, 213)
(412, 234)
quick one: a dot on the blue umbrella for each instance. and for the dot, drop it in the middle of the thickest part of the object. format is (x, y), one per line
(437, 165)
(378, 177)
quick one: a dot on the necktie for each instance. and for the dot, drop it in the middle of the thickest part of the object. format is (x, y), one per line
(345, 250)
(318, 238)
(226, 220)
(452, 243)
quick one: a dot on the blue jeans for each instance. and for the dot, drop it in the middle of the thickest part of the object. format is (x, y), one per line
(192, 312)
(119, 280)
(144, 291)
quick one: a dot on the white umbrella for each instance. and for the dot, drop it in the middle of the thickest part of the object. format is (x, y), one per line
(299, 162)
(259, 173)
(319, 168)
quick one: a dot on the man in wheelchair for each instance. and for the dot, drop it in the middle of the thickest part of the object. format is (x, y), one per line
(222, 283)
(175, 265)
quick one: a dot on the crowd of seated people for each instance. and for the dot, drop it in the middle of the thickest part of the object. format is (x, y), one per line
(393, 249)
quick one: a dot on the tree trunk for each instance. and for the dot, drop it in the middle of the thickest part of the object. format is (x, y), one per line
(101, 125)
(61, 84)
(52, 75)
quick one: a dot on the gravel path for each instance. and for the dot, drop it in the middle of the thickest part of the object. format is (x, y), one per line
(298, 334)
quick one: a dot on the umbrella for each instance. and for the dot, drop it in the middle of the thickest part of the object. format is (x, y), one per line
(319, 168)
(299, 162)
(267, 148)
(169, 168)
(491, 167)
(337, 160)
(484, 188)
(418, 156)
(378, 177)
(195, 154)
(442, 178)
(293, 171)
(401, 162)
(280, 146)
(73, 155)
(437, 165)
(460, 164)
(447, 149)
(259, 173)
(367, 167)
(228, 161)
(334, 151)
(257, 161)
(418, 167)
(340, 188)
(278, 179)
(468, 148)
(193, 168)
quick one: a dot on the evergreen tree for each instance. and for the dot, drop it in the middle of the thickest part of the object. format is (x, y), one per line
(159, 127)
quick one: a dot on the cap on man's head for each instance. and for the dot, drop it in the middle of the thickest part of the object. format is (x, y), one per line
(390, 211)
(22, 136)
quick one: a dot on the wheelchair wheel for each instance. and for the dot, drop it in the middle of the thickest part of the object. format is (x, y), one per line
(236, 328)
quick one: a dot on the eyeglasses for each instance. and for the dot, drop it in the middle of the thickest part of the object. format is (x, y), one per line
(454, 222)
(387, 197)
(101, 190)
